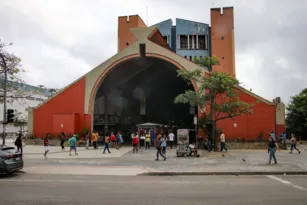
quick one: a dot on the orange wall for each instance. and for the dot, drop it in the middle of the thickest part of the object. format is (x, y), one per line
(64, 123)
(249, 126)
(125, 36)
(69, 101)
(222, 25)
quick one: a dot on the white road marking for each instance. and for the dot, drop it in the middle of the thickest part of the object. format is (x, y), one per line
(287, 182)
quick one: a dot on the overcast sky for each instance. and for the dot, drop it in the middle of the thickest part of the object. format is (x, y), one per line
(61, 40)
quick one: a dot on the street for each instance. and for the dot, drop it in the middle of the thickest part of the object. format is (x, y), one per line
(27, 189)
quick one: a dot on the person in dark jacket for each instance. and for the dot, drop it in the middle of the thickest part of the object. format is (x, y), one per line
(272, 146)
(62, 138)
(18, 142)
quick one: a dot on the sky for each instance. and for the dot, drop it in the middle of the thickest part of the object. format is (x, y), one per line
(59, 41)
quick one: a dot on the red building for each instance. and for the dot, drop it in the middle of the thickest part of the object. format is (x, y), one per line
(139, 84)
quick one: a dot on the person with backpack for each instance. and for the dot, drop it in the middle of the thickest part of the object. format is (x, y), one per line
(293, 144)
(272, 146)
(135, 143)
(119, 140)
(158, 147)
(18, 142)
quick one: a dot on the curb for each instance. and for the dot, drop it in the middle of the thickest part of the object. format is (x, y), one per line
(222, 173)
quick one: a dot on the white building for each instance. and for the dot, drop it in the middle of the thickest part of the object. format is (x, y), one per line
(21, 105)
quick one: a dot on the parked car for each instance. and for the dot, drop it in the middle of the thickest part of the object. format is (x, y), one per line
(10, 160)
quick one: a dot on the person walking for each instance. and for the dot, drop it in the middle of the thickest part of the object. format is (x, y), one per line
(284, 140)
(119, 140)
(73, 144)
(107, 141)
(164, 144)
(171, 138)
(113, 140)
(18, 143)
(46, 145)
(87, 139)
(223, 142)
(272, 146)
(293, 144)
(147, 140)
(95, 139)
(62, 139)
(135, 143)
(158, 147)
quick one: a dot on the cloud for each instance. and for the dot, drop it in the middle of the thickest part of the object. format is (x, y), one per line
(60, 41)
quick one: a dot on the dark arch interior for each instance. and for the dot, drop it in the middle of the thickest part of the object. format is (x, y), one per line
(123, 92)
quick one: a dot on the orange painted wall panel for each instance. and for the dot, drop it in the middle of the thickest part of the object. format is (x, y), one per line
(250, 126)
(125, 36)
(69, 101)
(222, 39)
(64, 123)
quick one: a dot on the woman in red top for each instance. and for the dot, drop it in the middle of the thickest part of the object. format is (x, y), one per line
(113, 140)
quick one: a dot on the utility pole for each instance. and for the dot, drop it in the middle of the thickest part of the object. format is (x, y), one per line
(4, 98)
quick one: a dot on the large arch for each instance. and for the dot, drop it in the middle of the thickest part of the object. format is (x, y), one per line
(127, 66)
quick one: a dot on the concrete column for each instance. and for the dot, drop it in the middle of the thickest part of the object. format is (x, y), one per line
(178, 42)
(188, 41)
(197, 47)
(106, 102)
(193, 43)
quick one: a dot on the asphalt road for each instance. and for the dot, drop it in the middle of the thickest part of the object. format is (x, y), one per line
(27, 189)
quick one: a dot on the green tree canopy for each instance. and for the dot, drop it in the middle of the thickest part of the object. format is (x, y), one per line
(296, 119)
(217, 90)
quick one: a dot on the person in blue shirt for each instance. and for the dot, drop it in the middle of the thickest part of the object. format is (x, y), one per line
(73, 144)
(284, 140)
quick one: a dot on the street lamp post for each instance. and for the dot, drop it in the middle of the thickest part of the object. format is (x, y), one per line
(4, 98)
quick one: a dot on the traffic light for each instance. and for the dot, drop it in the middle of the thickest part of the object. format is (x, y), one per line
(10, 116)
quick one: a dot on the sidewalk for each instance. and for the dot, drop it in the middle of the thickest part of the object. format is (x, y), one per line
(124, 162)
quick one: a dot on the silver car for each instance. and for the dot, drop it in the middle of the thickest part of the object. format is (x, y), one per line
(10, 160)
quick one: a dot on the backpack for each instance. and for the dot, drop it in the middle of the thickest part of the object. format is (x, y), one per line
(136, 140)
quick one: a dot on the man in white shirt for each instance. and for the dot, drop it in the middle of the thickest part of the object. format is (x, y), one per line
(171, 138)
(223, 141)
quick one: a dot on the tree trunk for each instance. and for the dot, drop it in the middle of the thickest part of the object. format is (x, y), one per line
(214, 135)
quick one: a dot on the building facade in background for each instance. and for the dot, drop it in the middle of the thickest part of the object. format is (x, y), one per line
(32, 97)
(186, 38)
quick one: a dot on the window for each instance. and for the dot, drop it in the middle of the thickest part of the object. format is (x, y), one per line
(190, 58)
(183, 42)
(203, 42)
(166, 39)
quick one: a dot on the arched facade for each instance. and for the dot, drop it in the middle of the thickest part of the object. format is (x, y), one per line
(71, 110)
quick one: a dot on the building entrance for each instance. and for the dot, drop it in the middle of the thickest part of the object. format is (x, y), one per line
(138, 91)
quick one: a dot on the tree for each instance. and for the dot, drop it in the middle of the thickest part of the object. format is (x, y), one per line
(10, 65)
(20, 121)
(296, 119)
(216, 91)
